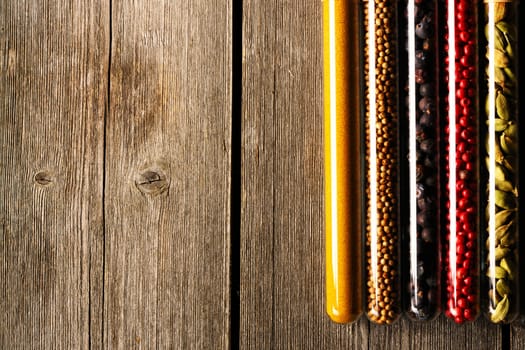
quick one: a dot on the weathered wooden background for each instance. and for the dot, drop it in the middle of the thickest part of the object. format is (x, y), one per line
(161, 181)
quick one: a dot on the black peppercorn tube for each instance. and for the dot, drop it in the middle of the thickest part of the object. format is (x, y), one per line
(501, 275)
(421, 149)
(462, 170)
(381, 161)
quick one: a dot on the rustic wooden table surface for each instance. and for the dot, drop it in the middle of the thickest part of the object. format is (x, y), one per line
(161, 181)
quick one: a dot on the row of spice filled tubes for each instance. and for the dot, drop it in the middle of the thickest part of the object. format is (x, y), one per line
(421, 159)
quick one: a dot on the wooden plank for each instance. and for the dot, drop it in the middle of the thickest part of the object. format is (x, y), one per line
(53, 69)
(167, 279)
(282, 242)
(517, 333)
(282, 257)
(437, 334)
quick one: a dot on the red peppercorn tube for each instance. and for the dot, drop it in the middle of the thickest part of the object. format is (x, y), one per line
(421, 150)
(500, 132)
(462, 189)
(381, 161)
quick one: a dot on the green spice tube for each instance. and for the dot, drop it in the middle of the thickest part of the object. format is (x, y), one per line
(381, 161)
(501, 281)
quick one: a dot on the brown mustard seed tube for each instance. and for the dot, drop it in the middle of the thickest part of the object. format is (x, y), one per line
(381, 162)
(342, 140)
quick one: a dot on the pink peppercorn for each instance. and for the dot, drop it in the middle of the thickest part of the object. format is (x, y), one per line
(461, 245)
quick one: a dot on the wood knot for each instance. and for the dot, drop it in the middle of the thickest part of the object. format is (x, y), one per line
(43, 178)
(152, 182)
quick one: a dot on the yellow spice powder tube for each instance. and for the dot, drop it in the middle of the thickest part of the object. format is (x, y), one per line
(342, 152)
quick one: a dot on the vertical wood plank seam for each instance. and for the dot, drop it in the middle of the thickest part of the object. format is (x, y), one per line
(236, 172)
(104, 182)
(505, 337)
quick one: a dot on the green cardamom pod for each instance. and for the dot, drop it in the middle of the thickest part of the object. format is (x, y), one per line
(508, 240)
(508, 267)
(497, 272)
(501, 59)
(501, 311)
(503, 288)
(498, 153)
(505, 200)
(507, 29)
(499, 124)
(498, 241)
(502, 231)
(503, 216)
(507, 86)
(509, 162)
(501, 179)
(502, 106)
(510, 51)
(498, 74)
(500, 39)
(503, 143)
(512, 131)
(504, 186)
(500, 253)
(499, 173)
(510, 74)
(507, 144)
(500, 10)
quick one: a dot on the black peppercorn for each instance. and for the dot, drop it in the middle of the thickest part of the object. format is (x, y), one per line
(423, 29)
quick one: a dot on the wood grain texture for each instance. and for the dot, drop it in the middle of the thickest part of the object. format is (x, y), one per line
(437, 334)
(517, 332)
(167, 281)
(53, 65)
(282, 235)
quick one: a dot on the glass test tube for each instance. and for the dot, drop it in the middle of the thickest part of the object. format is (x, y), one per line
(461, 163)
(381, 161)
(343, 176)
(422, 149)
(500, 133)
